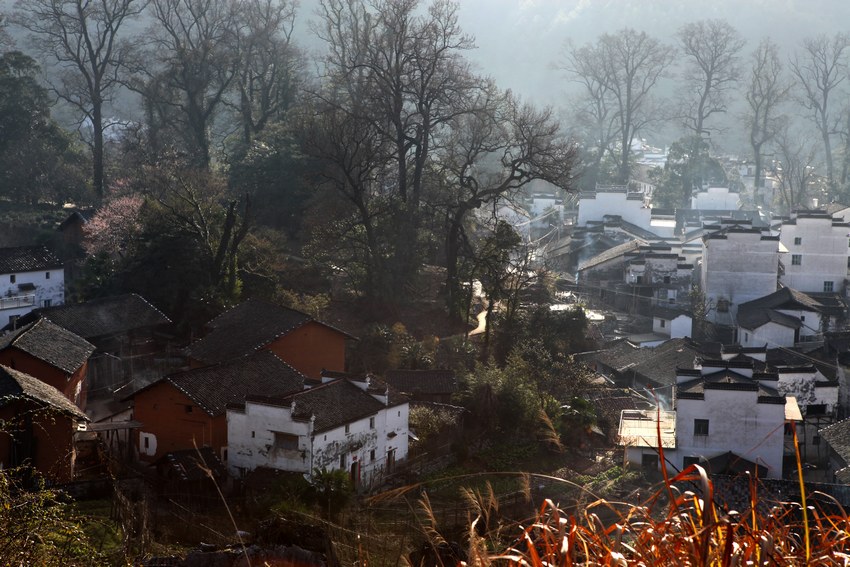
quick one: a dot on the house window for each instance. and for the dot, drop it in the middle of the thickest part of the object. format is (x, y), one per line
(12, 319)
(285, 441)
(649, 461)
(47, 275)
(700, 427)
(46, 303)
(816, 440)
(343, 461)
(746, 337)
(147, 442)
(666, 279)
(12, 278)
(802, 317)
(662, 323)
(347, 429)
(639, 280)
(663, 293)
(253, 434)
(827, 286)
(371, 423)
(798, 240)
(372, 456)
(688, 461)
(796, 259)
(399, 413)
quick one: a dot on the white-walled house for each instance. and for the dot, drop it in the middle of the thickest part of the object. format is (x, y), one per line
(818, 252)
(632, 207)
(715, 199)
(787, 317)
(730, 419)
(740, 263)
(671, 323)
(340, 424)
(30, 277)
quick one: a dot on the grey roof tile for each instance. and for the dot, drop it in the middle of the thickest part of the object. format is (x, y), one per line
(27, 259)
(51, 343)
(14, 384)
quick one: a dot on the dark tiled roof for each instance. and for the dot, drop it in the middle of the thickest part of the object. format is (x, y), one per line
(838, 437)
(422, 381)
(27, 259)
(668, 313)
(15, 384)
(246, 328)
(657, 364)
(213, 387)
(334, 404)
(193, 464)
(102, 317)
(51, 343)
(726, 380)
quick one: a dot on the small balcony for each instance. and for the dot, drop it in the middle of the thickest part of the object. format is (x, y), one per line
(17, 302)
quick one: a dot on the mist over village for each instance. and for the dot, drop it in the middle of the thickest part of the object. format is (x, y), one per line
(425, 283)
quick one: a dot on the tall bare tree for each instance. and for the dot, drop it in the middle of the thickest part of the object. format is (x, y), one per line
(82, 38)
(795, 168)
(593, 106)
(270, 66)
(633, 63)
(820, 68)
(711, 49)
(767, 90)
(190, 61)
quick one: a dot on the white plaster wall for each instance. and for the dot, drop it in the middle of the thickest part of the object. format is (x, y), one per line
(812, 322)
(801, 385)
(661, 326)
(17, 302)
(824, 250)
(772, 334)
(715, 198)
(737, 423)
(633, 211)
(739, 268)
(681, 326)
(250, 439)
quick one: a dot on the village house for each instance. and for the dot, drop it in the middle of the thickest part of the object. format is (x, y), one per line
(657, 275)
(671, 323)
(724, 416)
(788, 318)
(715, 199)
(30, 277)
(52, 354)
(818, 252)
(125, 330)
(306, 344)
(740, 263)
(39, 426)
(342, 424)
(837, 438)
(188, 409)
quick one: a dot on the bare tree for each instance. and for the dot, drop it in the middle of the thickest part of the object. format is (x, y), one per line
(189, 63)
(594, 109)
(795, 169)
(633, 63)
(82, 37)
(768, 89)
(820, 68)
(269, 64)
(711, 50)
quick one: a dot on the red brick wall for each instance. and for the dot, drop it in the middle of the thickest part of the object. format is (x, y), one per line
(53, 432)
(162, 410)
(27, 363)
(310, 348)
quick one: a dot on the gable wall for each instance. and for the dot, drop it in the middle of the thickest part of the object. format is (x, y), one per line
(72, 387)
(311, 348)
(53, 434)
(168, 426)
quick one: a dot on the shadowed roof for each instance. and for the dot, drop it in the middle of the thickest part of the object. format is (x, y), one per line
(334, 404)
(27, 259)
(51, 343)
(15, 384)
(422, 381)
(246, 328)
(213, 387)
(102, 317)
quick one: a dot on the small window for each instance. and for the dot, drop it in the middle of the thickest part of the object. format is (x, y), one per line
(827, 286)
(47, 275)
(798, 240)
(700, 427)
(649, 461)
(224, 455)
(639, 280)
(796, 259)
(147, 442)
(399, 413)
(688, 461)
(816, 440)
(662, 323)
(371, 423)
(46, 303)
(285, 441)
(666, 279)
(746, 337)
(347, 429)
(12, 278)
(253, 434)
(13, 319)
(372, 456)
(343, 461)
(802, 317)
